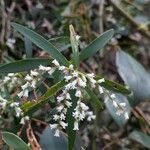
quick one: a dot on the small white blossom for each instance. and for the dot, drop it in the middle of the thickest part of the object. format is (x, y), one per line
(56, 117)
(68, 104)
(126, 116)
(63, 124)
(57, 133)
(90, 75)
(28, 78)
(101, 80)
(62, 68)
(60, 108)
(71, 66)
(67, 78)
(56, 63)
(78, 93)
(81, 82)
(101, 91)
(76, 125)
(34, 73)
(68, 96)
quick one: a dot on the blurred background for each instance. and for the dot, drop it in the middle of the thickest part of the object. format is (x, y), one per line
(130, 20)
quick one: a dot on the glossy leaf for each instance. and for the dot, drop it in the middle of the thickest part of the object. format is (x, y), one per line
(120, 120)
(61, 43)
(23, 65)
(134, 75)
(141, 138)
(70, 120)
(28, 47)
(41, 42)
(96, 45)
(14, 141)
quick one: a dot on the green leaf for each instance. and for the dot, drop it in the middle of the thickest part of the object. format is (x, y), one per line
(41, 42)
(14, 141)
(70, 120)
(23, 65)
(134, 75)
(74, 45)
(120, 120)
(30, 108)
(141, 138)
(28, 47)
(96, 45)
(61, 43)
(94, 99)
(49, 141)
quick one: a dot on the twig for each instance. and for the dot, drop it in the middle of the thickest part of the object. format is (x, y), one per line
(130, 19)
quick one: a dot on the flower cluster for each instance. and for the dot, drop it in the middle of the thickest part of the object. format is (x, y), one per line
(76, 81)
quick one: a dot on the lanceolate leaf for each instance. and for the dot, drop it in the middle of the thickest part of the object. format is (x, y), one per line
(14, 141)
(41, 42)
(28, 47)
(96, 45)
(134, 75)
(141, 138)
(70, 120)
(32, 107)
(23, 65)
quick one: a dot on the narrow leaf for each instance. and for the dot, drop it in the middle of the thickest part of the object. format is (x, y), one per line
(141, 138)
(96, 45)
(14, 141)
(23, 65)
(134, 75)
(70, 120)
(41, 42)
(28, 47)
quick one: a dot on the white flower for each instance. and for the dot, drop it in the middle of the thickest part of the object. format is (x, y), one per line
(76, 125)
(25, 86)
(57, 133)
(53, 126)
(34, 73)
(71, 66)
(113, 96)
(33, 84)
(101, 80)
(51, 71)
(81, 82)
(122, 104)
(56, 63)
(115, 103)
(26, 93)
(60, 98)
(77, 37)
(100, 89)
(60, 108)
(62, 116)
(62, 68)
(126, 116)
(68, 104)
(6, 79)
(78, 93)
(22, 121)
(75, 74)
(28, 78)
(11, 74)
(14, 104)
(90, 75)
(93, 82)
(90, 116)
(55, 117)
(63, 124)
(68, 96)
(67, 78)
